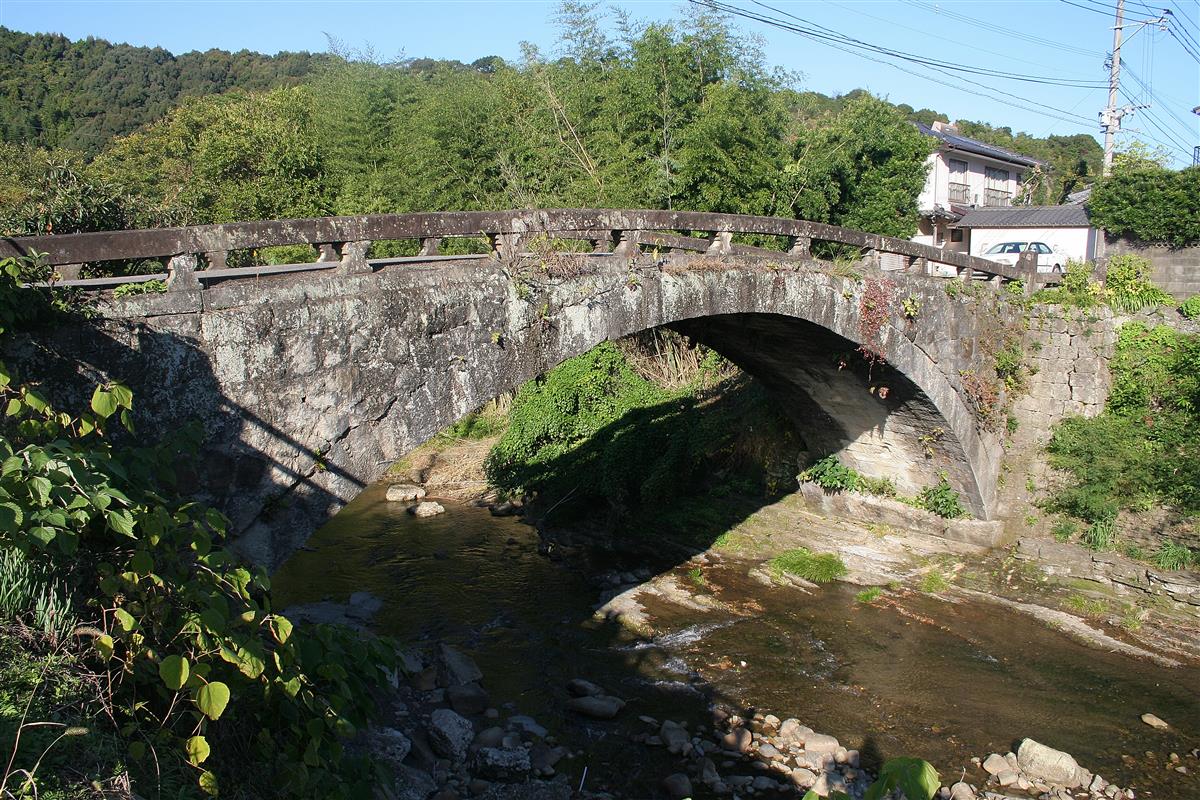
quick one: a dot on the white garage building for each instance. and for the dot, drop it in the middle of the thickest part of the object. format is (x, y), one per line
(1064, 228)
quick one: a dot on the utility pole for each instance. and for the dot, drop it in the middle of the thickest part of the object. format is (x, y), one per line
(1110, 117)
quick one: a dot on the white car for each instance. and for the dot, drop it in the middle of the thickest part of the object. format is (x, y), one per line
(1048, 260)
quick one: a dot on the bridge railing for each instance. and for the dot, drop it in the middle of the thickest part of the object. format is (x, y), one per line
(194, 256)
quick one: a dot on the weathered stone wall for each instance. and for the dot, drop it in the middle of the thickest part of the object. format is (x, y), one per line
(1067, 351)
(1177, 270)
(309, 386)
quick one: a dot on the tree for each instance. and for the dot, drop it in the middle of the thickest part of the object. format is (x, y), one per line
(227, 157)
(865, 170)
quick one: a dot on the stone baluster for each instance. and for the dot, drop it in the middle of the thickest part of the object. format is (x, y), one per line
(918, 264)
(719, 244)
(800, 247)
(181, 273)
(505, 246)
(354, 258)
(329, 251)
(430, 245)
(601, 244)
(626, 244)
(217, 259)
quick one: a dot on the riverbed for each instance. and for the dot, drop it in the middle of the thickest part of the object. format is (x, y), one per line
(939, 677)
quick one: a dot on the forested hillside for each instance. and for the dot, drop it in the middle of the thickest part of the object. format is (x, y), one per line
(80, 95)
(685, 114)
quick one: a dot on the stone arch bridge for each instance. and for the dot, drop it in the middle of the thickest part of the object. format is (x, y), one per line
(311, 379)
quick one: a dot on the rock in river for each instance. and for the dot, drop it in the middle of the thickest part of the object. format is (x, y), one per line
(456, 668)
(1053, 766)
(450, 734)
(496, 764)
(678, 786)
(596, 706)
(404, 493)
(427, 508)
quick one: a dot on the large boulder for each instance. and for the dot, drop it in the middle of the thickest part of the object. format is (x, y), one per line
(596, 706)
(455, 668)
(413, 784)
(1047, 764)
(502, 764)
(450, 734)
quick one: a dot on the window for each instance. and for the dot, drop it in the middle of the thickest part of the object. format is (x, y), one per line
(960, 192)
(995, 191)
(956, 234)
(1042, 248)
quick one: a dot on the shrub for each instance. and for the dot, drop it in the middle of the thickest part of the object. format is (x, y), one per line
(1064, 529)
(803, 563)
(1129, 286)
(832, 476)
(941, 499)
(1191, 307)
(1150, 204)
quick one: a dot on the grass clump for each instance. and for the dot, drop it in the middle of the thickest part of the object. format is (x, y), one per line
(803, 563)
(934, 582)
(869, 595)
(941, 499)
(1087, 606)
(696, 576)
(1173, 556)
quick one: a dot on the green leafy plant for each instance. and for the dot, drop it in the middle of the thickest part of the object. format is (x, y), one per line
(934, 582)
(145, 287)
(194, 660)
(915, 778)
(1190, 308)
(1064, 529)
(831, 475)
(803, 563)
(1100, 535)
(941, 499)
(1129, 286)
(911, 307)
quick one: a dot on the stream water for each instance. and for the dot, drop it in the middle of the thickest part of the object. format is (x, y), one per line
(915, 675)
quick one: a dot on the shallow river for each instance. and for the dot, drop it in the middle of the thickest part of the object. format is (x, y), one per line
(917, 676)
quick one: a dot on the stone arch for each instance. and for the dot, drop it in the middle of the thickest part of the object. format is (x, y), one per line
(316, 385)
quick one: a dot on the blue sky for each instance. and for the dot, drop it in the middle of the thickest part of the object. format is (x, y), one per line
(1037, 38)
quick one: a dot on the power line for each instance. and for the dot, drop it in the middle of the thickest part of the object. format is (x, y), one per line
(1146, 114)
(895, 24)
(1194, 52)
(815, 31)
(1152, 96)
(991, 28)
(1023, 103)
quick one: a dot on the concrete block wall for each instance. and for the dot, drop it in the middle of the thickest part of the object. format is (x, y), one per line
(1176, 270)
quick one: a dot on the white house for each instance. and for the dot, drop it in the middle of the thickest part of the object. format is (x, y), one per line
(1064, 229)
(964, 173)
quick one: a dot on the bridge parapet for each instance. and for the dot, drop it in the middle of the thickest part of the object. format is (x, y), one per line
(193, 256)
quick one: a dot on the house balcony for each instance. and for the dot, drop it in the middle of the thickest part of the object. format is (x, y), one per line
(960, 193)
(997, 197)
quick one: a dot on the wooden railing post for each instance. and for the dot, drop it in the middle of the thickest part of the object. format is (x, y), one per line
(181, 273)
(354, 258)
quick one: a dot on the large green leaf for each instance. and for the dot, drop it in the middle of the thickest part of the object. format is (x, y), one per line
(208, 782)
(197, 750)
(104, 403)
(174, 672)
(913, 776)
(211, 699)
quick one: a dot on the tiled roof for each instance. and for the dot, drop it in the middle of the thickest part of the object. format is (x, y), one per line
(1068, 216)
(956, 142)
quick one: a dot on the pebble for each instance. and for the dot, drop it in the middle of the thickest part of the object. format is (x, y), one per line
(677, 786)
(596, 706)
